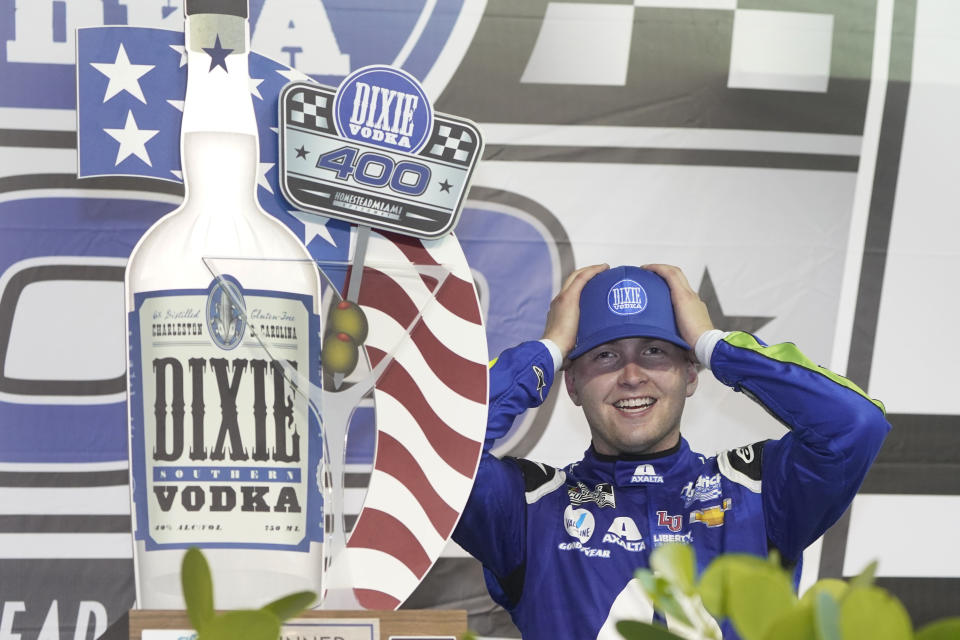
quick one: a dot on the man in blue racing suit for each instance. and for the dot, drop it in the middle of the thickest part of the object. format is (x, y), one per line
(559, 546)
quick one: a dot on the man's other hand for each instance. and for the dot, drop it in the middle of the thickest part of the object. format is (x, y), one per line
(693, 319)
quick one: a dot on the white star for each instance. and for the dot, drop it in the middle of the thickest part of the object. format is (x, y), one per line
(313, 225)
(123, 76)
(255, 87)
(182, 50)
(176, 104)
(262, 175)
(132, 140)
(295, 76)
(178, 174)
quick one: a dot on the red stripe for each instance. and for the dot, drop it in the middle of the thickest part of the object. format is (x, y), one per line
(459, 297)
(456, 372)
(412, 248)
(381, 292)
(393, 459)
(458, 451)
(383, 532)
(417, 254)
(469, 379)
(370, 599)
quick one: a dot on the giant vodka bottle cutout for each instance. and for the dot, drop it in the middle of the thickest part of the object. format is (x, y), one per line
(224, 450)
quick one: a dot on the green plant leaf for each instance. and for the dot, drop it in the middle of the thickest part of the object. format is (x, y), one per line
(826, 615)
(834, 586)
(676, 563)
(665, 600)
(197, 588)
(248, 625)
(865, 577)
(945, 629)
(714, 585)
(871, 613)
(647, 580)
(757, 596)
(291, 605)
(795, 624)
(636, 630)
(661, 594)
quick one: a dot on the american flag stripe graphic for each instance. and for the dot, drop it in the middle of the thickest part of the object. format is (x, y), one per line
(454, 448)
(447, 367)
(431, 411)
(401, 543)
(397, 497)
(455, 370)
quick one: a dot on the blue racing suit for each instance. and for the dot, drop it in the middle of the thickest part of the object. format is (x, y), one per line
(559, 546)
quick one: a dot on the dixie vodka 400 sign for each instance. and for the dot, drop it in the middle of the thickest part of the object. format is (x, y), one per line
(374, 153)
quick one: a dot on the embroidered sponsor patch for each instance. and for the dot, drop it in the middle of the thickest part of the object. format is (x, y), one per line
(579, 523)
(602, 494)
(705, 488)
(712, 516)
(626, 298)
(623, 532)
(645, 473)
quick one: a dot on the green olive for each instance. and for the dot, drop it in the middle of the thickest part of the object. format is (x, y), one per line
(347, 317)
(340, 353)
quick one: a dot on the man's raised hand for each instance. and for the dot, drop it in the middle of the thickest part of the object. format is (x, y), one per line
(693, 319)
(564, 314)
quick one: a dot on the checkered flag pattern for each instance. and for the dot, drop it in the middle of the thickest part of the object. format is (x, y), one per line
(310, 110)
(452, 143)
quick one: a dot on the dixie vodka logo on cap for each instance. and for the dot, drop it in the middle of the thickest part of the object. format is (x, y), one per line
(383, 106)
(626, 298)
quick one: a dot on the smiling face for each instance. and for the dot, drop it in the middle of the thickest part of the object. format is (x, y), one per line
(632, 392)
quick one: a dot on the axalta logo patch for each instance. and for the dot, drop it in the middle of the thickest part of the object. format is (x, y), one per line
(626, 298)
(647, 474)
(706, 488)
(712, 516)
(623, 532)
(383, 106)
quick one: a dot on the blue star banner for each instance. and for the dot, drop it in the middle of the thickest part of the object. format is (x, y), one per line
(131, 83)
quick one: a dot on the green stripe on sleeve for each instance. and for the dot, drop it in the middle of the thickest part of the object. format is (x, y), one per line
(787, 352)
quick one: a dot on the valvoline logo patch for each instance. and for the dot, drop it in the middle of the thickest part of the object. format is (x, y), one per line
(383, 106)
(626, 298)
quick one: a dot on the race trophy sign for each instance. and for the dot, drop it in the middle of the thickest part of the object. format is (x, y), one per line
(374, 153)
(307, 398)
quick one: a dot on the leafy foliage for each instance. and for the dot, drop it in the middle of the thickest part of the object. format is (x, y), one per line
(245, 624)
(756, 596)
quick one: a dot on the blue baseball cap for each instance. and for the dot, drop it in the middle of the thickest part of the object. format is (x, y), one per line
(625, 302)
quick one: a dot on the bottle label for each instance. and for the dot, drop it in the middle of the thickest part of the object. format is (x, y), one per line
(225, 448)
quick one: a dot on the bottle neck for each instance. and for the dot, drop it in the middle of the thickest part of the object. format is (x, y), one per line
(219, 150)
(218, 79)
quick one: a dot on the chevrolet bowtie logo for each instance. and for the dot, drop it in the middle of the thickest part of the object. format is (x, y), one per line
(711, 516)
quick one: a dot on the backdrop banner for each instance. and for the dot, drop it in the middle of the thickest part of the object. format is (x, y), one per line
(796, 159)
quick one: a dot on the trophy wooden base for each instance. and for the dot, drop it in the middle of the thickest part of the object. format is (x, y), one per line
(432, 623)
